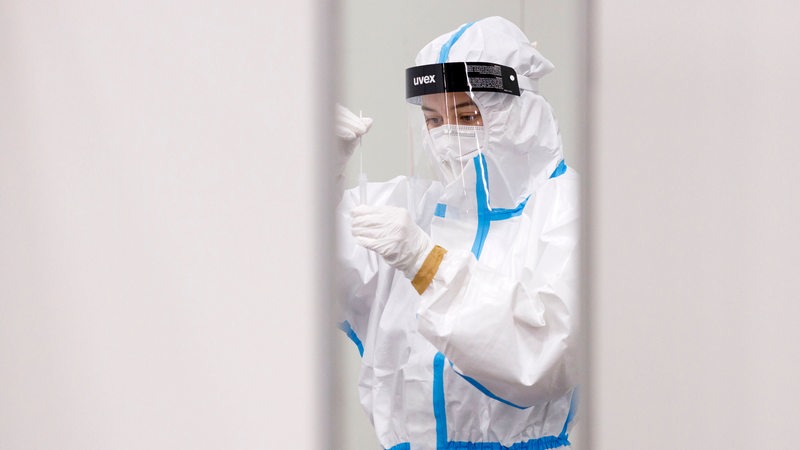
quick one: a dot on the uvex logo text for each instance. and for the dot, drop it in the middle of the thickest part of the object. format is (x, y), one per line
(427, 79)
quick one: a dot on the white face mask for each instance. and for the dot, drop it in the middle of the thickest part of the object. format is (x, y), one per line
(453, 147)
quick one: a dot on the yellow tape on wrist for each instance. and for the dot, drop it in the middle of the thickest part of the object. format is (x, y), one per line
(425, 275)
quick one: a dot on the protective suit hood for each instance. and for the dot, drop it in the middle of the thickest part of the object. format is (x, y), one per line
(523, 144)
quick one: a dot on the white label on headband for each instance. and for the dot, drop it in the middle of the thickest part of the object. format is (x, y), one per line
(427, 79)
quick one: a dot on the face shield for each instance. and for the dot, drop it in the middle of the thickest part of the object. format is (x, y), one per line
(448, 106)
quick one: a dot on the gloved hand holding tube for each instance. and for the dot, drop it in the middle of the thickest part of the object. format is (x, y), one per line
(392, 233)
(349, 128)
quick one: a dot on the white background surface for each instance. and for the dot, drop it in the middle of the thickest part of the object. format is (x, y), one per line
(695, 203)
(159, 226)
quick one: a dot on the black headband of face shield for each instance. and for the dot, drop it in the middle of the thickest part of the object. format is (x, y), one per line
(459, 77)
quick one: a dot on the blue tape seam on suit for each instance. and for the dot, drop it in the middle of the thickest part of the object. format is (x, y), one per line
(439, 412)
(444, 53)
(570, 414)
(403, 446)
(485, 391)
(487, 216)
(348, 330)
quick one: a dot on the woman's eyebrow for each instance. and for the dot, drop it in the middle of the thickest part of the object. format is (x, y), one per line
(464, 105)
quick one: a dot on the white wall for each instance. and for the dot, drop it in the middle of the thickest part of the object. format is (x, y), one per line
(694, 197)
(159, 225)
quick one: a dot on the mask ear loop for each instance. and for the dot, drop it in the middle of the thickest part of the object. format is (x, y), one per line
(457, 169)
(479, 159)
(461, 166)
(448, 170)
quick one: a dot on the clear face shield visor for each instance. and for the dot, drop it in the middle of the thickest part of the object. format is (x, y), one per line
(446, 123)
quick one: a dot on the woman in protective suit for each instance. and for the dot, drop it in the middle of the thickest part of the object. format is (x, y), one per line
(461, 292)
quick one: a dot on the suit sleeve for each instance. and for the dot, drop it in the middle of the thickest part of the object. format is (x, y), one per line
(512, 337)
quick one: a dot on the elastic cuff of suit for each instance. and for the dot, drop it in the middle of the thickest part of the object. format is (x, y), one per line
(425, 275)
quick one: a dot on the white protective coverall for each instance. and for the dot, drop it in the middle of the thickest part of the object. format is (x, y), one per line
(483, 358)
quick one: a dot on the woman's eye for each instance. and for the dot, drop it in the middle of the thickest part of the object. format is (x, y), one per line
(433, 122)
(469, 118)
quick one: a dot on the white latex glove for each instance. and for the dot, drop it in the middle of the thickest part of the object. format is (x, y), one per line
(349, 128)
(390, 232)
